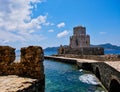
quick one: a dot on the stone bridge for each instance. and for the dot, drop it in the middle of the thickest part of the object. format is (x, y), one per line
(107, 72)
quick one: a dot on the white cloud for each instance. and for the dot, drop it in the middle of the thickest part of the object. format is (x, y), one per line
(51, 30)
(102, 33)
(60, 25)
(16, 24)
(62, 34)
(31, 31)
(8, 36)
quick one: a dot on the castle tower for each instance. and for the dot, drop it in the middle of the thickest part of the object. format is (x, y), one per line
(79, 38)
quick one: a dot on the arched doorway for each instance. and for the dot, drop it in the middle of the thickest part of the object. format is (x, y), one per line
(97, 73)
(114, 86)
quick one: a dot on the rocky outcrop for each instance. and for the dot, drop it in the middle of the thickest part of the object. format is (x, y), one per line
(30, 65)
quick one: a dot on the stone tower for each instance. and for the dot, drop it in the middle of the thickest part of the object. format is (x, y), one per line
(79, 38)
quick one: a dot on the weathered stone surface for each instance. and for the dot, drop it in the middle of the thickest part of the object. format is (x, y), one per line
(92, 57)
(30, 65)
(14, 83)
(32, 60)
(80, 44)
(7, 54)
(79, 38)
(61, 50)
(81, 51)
(106, 73)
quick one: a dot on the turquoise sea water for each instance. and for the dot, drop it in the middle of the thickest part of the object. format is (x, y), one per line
(62, 77)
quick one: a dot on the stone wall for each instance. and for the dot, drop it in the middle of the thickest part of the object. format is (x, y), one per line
(79, 30)
(93, 57)
(7, 54)
(105, 73)
(32, 60)
(81, 51)
(79, 38)
(30, 65)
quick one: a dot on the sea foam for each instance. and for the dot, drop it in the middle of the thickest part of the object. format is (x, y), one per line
(89, 79)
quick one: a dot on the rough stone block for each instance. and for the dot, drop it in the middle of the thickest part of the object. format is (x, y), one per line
(30, 65)
(7, 54)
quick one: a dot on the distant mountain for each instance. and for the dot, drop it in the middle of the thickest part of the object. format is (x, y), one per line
(108, 46)
(51, 49)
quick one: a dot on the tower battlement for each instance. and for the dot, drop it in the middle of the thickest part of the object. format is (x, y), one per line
(80, 44)
(79, 38)
(79, 30)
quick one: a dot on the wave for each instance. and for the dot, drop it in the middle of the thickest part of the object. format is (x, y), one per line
(89, 79)
(81, 70)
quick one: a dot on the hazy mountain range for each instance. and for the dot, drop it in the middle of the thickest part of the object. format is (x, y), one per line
(109, 49)
(106, 46)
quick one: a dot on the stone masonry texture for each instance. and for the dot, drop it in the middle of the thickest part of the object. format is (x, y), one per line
(7, 54)
(80, 44)
(30, 65)
(79, 38)
(81, 51)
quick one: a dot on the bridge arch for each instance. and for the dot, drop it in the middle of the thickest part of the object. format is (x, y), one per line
(114, 86)
(97, 73)
(87, 66)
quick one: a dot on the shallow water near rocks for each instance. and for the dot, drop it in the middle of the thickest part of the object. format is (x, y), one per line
(62, 77)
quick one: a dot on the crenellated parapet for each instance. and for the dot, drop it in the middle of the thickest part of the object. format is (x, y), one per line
(30, 65)
(7, 54)
(32, 59)
(79, 38)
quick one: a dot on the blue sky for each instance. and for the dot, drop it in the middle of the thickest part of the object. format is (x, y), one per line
(50, 23)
